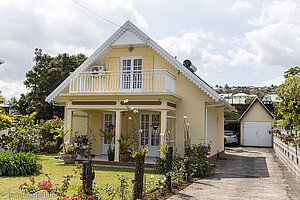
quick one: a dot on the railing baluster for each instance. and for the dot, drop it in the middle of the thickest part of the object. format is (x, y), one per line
(144, 80)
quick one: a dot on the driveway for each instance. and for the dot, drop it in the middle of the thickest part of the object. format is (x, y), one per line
(245, 173)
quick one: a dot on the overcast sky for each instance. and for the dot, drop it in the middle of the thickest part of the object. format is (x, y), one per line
(237, 42)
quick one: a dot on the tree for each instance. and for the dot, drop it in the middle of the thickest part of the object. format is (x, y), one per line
(292, 71)
(20, 105)
(45, 76)
(289, 107)
(2, 100)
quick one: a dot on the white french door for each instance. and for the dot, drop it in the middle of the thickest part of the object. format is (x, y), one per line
(109, 122)
(150, 126)
(131, 74)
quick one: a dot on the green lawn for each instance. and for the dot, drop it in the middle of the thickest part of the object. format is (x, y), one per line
(56, 169)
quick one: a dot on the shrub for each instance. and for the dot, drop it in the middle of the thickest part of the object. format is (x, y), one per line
(5, 121)
(47, 142)
(200, 167)
(23, 137)
(201, 151)
(19, 164)
(160, 166)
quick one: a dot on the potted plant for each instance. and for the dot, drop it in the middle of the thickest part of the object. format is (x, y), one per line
(109, 136)
(125, 143)
(69, 153)
(81, 143)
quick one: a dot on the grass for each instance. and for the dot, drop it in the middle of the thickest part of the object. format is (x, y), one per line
(56, 170)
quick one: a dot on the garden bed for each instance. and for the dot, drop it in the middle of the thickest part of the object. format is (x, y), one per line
(53, 167)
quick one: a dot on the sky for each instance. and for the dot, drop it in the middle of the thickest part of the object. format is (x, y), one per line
(234, 42)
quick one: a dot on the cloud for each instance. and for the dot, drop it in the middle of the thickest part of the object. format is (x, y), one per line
(240, 5)
(12, 88)
(195, 46)
(241, 57)
(274, 81)
(275, 40)
(56, 26)
(278, 12)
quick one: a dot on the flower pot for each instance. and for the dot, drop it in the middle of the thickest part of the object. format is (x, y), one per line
(110, 156)
(69, 158)
(125, 157)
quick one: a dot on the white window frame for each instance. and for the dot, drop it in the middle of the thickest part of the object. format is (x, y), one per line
(131, 89)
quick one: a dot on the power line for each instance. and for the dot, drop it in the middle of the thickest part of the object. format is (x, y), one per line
(83, 6)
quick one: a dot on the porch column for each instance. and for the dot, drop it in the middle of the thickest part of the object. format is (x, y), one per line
(117, 135)
(163, 128)
(68, 125)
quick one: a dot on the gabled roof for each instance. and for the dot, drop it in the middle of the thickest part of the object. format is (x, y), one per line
(135, 36)
(250, 106)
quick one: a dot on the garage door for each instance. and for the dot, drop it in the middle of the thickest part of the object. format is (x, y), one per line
(256, 134)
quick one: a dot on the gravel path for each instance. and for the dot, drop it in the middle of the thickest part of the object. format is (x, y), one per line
(245, 173)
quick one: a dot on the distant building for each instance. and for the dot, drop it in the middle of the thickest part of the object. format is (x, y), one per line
(239, 98)
(270, 99)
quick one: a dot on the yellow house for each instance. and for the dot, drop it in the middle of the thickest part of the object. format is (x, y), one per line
(130, 65)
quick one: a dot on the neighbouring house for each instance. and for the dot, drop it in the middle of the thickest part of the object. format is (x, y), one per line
(239, 98)
(255, 124)
(270, 99)
(130, 65)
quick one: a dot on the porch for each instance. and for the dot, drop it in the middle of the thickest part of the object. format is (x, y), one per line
(151, 124)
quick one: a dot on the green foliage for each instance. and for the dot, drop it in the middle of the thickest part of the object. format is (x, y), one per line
(5, 121)
(250, 90)
(289, 107)
(160, 166)
(44, 77)
(200, 151)
(200, 167)
(24, 136)
(48, 142)
(109, 136)
(125, 143)
(231, 115)
(291, 72)
(19, 164)
(21, 105)
(2, 100)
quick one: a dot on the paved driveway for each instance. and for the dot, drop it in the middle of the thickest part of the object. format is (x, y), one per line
(245, 173)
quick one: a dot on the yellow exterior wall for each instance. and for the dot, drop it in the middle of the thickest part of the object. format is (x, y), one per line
(192, 105)
(95, 126)
(79, 123)
(257, 113)
(215, 129)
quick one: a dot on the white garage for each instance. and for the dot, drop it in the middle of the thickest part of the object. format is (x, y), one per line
(256, 122)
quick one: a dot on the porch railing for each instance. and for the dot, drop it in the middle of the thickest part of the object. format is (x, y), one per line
(123, 81)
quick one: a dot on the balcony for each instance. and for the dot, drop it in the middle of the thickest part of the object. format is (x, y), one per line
(123, 81)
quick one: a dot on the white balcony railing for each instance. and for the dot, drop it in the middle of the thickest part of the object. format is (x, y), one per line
(123, 81)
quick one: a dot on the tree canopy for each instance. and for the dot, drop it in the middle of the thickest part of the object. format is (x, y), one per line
(44, 77)
(292, 71)
(289, 107)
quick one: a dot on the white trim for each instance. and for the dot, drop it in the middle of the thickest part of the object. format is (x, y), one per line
(128, 26)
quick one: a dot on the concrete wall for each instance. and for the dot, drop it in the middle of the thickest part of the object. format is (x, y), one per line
(289, 154)
(257, 113)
